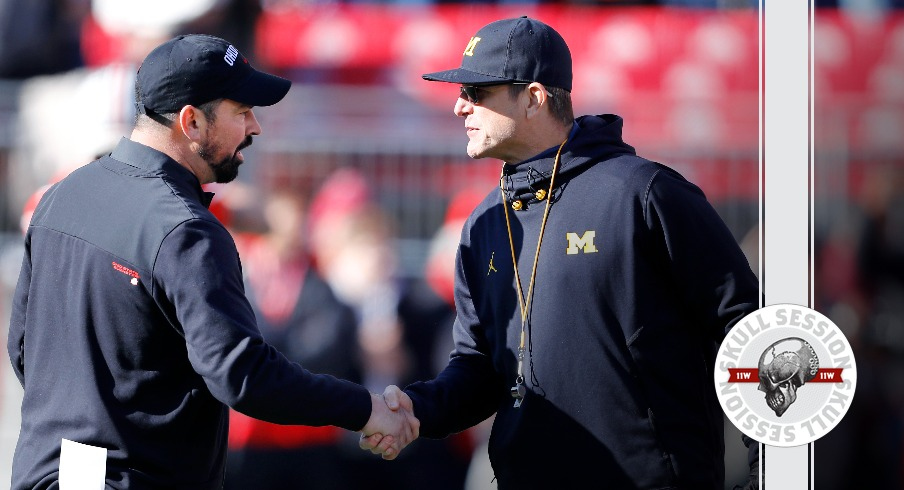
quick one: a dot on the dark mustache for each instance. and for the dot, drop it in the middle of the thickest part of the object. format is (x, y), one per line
(245, 144)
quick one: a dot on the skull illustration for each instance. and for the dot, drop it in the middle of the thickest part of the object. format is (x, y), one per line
(784, 367)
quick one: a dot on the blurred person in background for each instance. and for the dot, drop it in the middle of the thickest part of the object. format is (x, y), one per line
(73, 53)
(880, 259)
(860, 285)
(401, 325)
(298, 314)
(130, 331)
(40, 37)
(599, 351)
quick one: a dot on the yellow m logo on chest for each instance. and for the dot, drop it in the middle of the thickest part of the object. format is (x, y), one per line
(577, 243)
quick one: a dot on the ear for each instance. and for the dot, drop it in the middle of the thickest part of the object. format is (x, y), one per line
(192, 122)
(537, 97)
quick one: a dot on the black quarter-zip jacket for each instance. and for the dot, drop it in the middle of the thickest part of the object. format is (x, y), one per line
(130, 331)
(637, 282)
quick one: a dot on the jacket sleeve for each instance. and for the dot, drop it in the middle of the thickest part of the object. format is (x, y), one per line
(703, 256)
(199, 274)
(468, 390)
(464, 394)
(15, 344)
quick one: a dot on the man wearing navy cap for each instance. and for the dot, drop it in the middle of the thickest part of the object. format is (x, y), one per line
(593, 289)
(130, 331)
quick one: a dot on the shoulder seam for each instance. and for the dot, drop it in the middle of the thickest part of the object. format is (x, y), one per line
(646, 194)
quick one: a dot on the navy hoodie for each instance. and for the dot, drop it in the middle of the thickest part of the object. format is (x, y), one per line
(637, 282)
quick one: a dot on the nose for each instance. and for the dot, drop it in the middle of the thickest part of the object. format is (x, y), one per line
(253, 127)
(462, 107)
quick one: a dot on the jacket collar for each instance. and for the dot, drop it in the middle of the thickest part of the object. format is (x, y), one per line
(592, 139)
(150, 162)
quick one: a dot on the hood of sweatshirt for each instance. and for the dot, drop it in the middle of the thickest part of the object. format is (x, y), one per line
(594, 138)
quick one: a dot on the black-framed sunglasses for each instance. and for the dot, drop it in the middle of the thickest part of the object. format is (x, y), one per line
(469, 92)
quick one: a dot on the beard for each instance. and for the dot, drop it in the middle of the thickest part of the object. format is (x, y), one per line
(226, 169)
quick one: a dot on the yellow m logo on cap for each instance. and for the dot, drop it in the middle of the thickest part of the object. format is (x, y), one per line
(469, 50)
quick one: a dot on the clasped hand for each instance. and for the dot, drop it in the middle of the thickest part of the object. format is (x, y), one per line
(392, 424)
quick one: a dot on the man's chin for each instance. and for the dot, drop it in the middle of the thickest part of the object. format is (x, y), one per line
(227, 172)
(475, 153)
(229, 177)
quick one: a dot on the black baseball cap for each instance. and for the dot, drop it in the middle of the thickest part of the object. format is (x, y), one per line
(512, 50)
(196, 68)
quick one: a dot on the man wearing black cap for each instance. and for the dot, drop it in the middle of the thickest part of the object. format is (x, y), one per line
(130, 331)
(592, 290)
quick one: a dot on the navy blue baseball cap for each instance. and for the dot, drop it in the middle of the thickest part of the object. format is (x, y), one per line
(512, 50)
(197, 68)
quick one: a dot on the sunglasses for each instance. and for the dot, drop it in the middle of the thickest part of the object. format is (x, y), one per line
(470, 92)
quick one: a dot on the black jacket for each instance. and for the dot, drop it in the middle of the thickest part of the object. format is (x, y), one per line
(637, 282)
(130, 331)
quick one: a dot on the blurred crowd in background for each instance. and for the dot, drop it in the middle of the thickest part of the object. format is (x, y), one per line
(349, 209)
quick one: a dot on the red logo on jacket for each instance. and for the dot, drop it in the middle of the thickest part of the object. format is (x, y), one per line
(129, 272)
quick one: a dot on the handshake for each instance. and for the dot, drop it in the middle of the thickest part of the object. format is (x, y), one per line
(392, 424)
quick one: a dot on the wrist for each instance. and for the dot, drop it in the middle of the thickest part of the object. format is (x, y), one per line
(375, 401)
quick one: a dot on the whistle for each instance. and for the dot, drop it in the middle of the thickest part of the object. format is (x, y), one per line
(518, 391)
